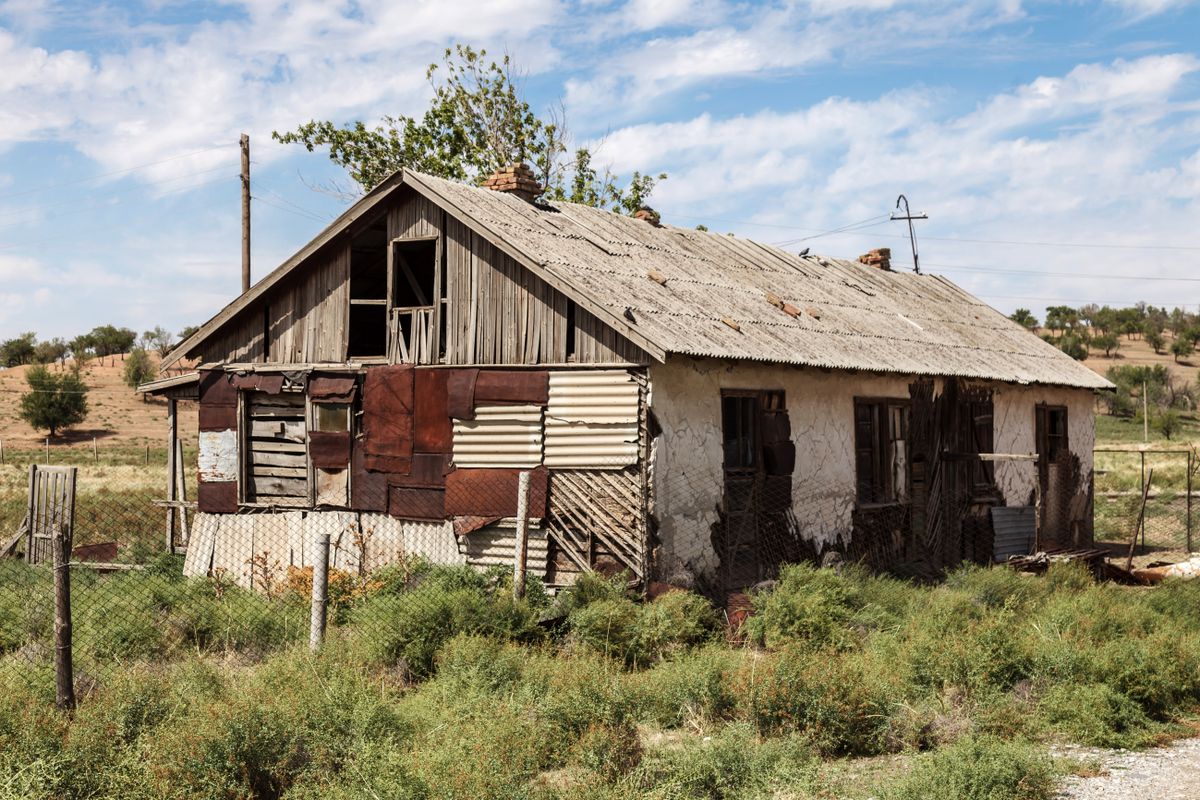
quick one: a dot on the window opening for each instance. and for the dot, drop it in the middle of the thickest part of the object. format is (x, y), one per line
(881, 450)
(367, 335)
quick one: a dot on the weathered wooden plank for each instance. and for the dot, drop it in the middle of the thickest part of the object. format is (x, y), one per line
(279, 487)
(270, 446)
(264, 471)
(279, 429)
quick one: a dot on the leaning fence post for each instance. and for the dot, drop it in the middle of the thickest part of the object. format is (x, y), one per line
(64, 674)
(521, 545)
(320, 593)
(1189, 501)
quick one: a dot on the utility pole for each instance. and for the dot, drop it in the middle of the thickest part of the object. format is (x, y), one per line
(908, 216)
(245, 213)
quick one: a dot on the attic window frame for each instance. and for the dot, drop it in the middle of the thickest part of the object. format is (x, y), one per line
(437, 301)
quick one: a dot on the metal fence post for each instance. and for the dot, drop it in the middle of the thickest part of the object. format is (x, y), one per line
(320, 593)
(521, 545)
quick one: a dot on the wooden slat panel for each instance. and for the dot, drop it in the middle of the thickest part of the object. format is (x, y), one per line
(279, 430)
(280, 487)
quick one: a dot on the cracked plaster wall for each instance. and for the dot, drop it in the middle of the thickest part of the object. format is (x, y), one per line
(686, 460)
(686, 475)
(1015, 429)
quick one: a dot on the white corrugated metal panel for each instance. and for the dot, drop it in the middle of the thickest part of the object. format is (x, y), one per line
(499, 436)
(493, 546)
(592, 419)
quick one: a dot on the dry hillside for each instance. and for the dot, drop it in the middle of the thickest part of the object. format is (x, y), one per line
(1136, 352)
(117, 416)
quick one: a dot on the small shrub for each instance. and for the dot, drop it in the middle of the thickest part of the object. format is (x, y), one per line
(840, 702)
(640, 634)
(1094, 714)
(694, 688)
(978, 768)
(732, 764)
(609, 750)
(411, 627)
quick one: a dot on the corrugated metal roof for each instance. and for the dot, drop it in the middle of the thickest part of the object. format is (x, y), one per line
(591, 419)
(851, 316)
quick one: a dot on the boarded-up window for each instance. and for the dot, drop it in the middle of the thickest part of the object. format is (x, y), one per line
(276, 465)
(881, 450)
(499, 436)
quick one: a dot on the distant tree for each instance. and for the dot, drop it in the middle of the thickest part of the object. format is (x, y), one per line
(138, 368)
(1108, 342)
(54, 400)
(1167, 423)
(188, 331)
(1087, 314)
(81, 348)
(51, 350)
(1182, 348)
(1156, 340)
(108, 340)
(160, 340)
(18, 350)
(1061, 318)
(1025, 318)
(1074, 345)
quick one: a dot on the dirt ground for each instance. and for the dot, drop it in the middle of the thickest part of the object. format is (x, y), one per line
(117, 416)
(1164, 773)
(1135, 352)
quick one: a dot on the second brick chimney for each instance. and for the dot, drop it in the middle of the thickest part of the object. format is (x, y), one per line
(515, 179)
(880, 258)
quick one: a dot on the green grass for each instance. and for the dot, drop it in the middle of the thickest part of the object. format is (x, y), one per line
(437, 684)
(1112, 430)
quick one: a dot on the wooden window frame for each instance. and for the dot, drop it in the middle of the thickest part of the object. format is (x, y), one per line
(1041, 424)
(884, 492)
(438, 301)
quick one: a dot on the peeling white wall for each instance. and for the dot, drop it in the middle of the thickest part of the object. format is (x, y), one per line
(687, 475)
(686, 460)
(1015, 427)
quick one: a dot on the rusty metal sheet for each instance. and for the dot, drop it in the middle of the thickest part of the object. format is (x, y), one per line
(433, 430)
(332, 388)
(420, 504)
(217, 461)
(329, 450)
(387, 439)
(217, 498)
(493, 492)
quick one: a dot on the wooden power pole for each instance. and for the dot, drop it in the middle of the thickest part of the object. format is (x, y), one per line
(245, 213)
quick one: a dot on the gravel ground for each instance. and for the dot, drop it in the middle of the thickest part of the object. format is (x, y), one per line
(1164, 773)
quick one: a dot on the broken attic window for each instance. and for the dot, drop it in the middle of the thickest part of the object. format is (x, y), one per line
(414, 282)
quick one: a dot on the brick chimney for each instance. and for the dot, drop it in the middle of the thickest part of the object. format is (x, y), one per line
(880, 258)
(515, 179)
(648, 214)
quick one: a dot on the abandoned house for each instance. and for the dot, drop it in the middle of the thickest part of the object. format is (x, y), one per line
(687, 404)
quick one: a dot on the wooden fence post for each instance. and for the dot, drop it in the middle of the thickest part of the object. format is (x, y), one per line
(172, 484)
(320, 593)
(64, 675)
(521, 545)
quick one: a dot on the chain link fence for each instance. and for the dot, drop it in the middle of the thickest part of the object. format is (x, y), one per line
(399, 578)
(1150, 493)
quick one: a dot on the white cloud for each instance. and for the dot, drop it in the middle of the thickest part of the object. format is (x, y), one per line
(1095, 160)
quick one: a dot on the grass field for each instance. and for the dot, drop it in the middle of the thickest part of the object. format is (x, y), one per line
(435, 683)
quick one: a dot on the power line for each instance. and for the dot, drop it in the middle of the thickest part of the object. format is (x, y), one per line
(1049, 273)
(866, 223)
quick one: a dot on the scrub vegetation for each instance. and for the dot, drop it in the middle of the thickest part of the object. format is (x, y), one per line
(435, 683)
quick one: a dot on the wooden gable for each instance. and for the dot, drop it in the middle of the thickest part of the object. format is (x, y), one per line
(489, 309)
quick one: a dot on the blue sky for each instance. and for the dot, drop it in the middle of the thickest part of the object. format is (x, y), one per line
(1019, 127)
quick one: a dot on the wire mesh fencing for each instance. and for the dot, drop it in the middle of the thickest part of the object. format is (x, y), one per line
(1147, 494)
(390, 567)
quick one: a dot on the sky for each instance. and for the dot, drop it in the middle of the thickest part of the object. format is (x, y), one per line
(1054, 146)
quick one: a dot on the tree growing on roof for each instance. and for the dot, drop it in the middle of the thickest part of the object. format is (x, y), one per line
(54, 401)
(477, 123)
